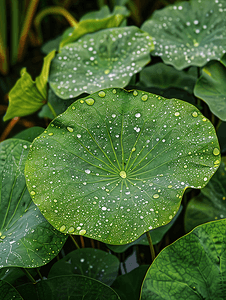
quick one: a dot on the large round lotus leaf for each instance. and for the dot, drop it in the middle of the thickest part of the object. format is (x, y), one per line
(90, 262)
(116, 163)
(189, 33)
(73, 287)
(162, 76)
(107, 58)
(194, 267)
(26, 238)
(8, 292)
(211, 88)
(210, 204)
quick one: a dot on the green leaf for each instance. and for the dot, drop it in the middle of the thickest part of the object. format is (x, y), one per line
(193, 267)
(91, 25)
(163, 76)
(29, 134)
(128, 286)
(156, 235)
(223, 60)
(26, 238)
(210, 204)
(28, 96)
(89, 262)
(85, 66)
(73, 287)
(14, 275)
(211, 88)
(101, 168)
(8, 292)
(189, 33)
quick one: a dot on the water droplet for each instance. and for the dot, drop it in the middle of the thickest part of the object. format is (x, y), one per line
(156, 196)
(216, 151)
(137, 115)
(101, 94)
(71, 229)
(177, 114)
(55, 200)
(81, 101)
(122, 174)
(170, 186)
(90, 101)
(73, 107)
(133, 149)
(195, 114)
(78, 136)
(114, 91)
(144, 98)
(82, 232)
(135, 93)
(106, 71)
(104, 208)
(50, 133)
(205, 179)
(62, 228)
(70, 129)
(25, 146)
(32, 193)
(87, 171)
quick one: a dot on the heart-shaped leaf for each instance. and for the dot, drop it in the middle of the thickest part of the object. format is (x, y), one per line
(26, 238)
(28, 96)
(211, 88)
(162, 76)
(116, 163)
(8, 292)
(73, 287)
(89, 262)
(210, 204)
(103, 59)
(189, 33)
(193, 267)
(156, 235)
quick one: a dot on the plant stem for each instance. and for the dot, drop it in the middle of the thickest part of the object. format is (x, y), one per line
(150, 245)
(74, 241)
(218, 125)
(52, 109)
(39, 273)
(26, 27)
(8, 129)
(53, 10)
(29, 275)
(14, 30)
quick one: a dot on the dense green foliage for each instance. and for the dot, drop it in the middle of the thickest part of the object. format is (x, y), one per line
(129, 150)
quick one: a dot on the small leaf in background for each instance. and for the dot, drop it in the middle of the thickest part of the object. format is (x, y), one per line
(189, 33)
(73, 287)
(26, 238)
(100, 169)
(210, 204)
(89, 262)
(103, 59)
(8, 292)
(89, 26)
(29, 134)
(211, 88)
(28, 96)
(128, 286)
(193, 267)
(156, 235)
(162, 76)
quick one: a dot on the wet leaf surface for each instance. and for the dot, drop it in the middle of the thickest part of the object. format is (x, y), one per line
(8, 292)
(101, 170)
(189, 33)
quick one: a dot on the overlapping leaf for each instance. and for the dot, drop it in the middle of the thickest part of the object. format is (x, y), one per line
(26, 238)
(189, 33)
(210, 204)
(116, 164)
(191, 268)
(211, 88)
(8, 292)
(107, 58)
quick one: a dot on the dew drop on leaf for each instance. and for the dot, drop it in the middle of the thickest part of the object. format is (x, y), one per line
(144, 98)
(216, 151)
(90, 101)
(122, 174)
(62, 228)
(101, 94)
(70, 129)
(82, 232)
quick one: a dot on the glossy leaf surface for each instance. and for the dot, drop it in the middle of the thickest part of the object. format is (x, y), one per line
(103, 59)
(89, 262)
(101, 168)
(8, 292)
(73, 287)
(189, 33)
(193, 267)
(211, 88)
(28, 96)
(26, 238)
(210, 204)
